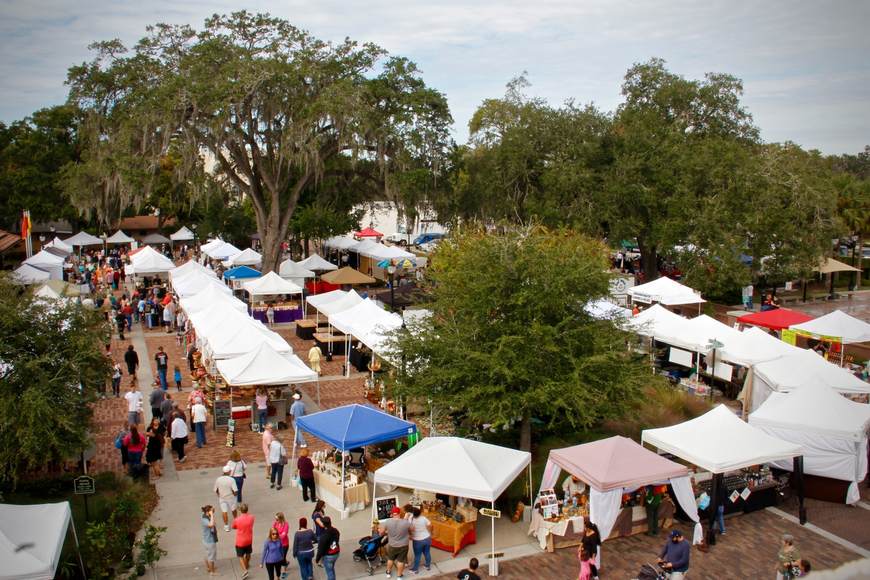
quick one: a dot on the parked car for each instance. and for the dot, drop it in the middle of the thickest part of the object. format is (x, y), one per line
(399, 238)
(428, 237)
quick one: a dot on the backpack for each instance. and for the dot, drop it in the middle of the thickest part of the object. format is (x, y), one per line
(119, 440)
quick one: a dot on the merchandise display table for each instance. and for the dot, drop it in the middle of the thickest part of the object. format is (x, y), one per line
(329, 490)
(305, 328)
(283, 313)
(330, 343)
(450, 535)
(560, 534)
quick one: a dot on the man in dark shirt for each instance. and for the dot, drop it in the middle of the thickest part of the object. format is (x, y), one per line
(469, 573)
(132, 360)
(674, 556)
(162, 360)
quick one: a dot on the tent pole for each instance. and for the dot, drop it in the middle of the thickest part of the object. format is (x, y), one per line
(531, 498)
(493, 563)
(293, 454)
(318, 391)
(798, 470)
(342, 484)
(78, 549)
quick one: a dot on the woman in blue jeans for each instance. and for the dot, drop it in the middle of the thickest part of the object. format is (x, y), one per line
(421, 538)
(303, 549)
(328, 548)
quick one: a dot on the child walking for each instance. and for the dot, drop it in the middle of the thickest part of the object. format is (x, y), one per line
(178, 378)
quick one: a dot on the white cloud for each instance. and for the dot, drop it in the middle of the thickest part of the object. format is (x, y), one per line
(802, 62)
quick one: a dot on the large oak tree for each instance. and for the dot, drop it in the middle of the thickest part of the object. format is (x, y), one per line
(259, 104)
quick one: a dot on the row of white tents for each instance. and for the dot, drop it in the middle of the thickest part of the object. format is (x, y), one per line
(368, 248)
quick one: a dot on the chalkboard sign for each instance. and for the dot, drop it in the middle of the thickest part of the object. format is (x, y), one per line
(384, 505)
(222, 414)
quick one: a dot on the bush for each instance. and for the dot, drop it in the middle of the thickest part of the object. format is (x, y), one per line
(661, 406)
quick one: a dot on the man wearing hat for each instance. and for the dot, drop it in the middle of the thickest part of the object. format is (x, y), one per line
(674, 556)
(397, 530)
(226, 490)
(297, 409)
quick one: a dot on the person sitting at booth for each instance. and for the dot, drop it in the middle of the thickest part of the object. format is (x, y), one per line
(572, 486)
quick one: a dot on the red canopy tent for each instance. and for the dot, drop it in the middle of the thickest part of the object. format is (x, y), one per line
(776, 319)
(368, 232)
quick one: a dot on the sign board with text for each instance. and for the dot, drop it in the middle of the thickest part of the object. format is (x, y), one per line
(84, 485)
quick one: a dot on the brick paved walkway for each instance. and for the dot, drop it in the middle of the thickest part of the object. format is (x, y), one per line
(748, 550)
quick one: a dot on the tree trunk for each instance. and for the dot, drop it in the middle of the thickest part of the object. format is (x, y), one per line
(526, 433)
(649, 259)
(271, 241)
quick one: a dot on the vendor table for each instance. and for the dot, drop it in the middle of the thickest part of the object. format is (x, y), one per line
(282, 315)
(330, 343)
(329, 490)
(632, 520)
(305, 328)
(450, 535)
(561, 534)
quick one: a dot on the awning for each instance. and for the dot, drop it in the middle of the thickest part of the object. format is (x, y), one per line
(830, 266)
(776, 319)
(838, 324)
(83, 239)
(353, 426)
(317, 264)
(182, 235)
(119, 237)
(347, 276)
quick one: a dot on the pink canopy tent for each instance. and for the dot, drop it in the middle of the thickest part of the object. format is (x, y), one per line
(615, 466)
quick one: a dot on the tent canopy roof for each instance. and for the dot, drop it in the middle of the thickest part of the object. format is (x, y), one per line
(348, 276)
(368, 232)
(147, 260)
(211, 296)
(195, 282)
(805, 369)
(83, 239)
(271, 283)
(349, 300)
(290, 269)
(666, 291)
(815, 410)
(44, 258)
(265, 366)
(182, 235)
(156, 238)
(210, 245)
(247, 257)
(241, 272)
(31, 539)
(604, 309)
(615, 462)
(776, 319)
(754, 346)
(719, 441)
(830, 265)
(838, 324)
(656, 319)
(191, 266)
(119, 237)
(456, 466)
(318, 300)
(27, 274)
(315, 263)
(59, 244)
(354, 426)
(221, 251)
(340, 243)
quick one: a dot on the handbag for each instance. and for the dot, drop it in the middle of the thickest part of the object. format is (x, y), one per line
(283, 460)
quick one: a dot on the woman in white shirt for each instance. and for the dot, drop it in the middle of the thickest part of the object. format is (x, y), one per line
(237, 467)
(277, 458)
(421, 539)
(179, 433)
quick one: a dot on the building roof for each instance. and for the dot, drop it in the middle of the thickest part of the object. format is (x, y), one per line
(60, 227)
(143, 222)
(8, 240)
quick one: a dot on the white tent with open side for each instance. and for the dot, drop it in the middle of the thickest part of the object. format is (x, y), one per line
(247, 257)
(831, 429)
(83, 239)
(195, 282)
(32, 538)
(47, 261)
(290, 270)
(271, 284)
(150, 261)
(222, 251)
(210, 245)
(664, 291)
(697, 333)
(349, 300)
(182, 235)
(656, 320)
(27, 274)
(230, 340)
(211, 296)
(317, 264)
(754, 346)
(340, 243)
(837, 324)
(265, 366)
(458, 467)
(368, 323)
(119, 237)
(59, 244)
(189, 267)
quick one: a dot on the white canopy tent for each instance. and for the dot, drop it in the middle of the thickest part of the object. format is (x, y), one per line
(32, 538)
(604, 309)
(754, 346)
(247, 257)
(270, 284)
(195, 282)
(47, 261)
(211, 244)
(27, 274)
(83, 239)
(265, 366)
(317, 264)
(290, 270)
(222, 251)
(831, 429)
(368, 323)
(837, 324)
(798, 370)
(656, 319)
(719, 441)
(189, 267)
(230, 340)
(182, 235)
(318, 300)
(150, 261)
(119, 237)
(349, 300)
(664, 291)
(340, 243)
(696, 334)
(211, 297)
(380, 251)
(458, 467)
(59, 244)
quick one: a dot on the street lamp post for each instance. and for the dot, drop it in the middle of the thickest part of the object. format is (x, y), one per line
(195, 248)
(104, 237)
(391, 270)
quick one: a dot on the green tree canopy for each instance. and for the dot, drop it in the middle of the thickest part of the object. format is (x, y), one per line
(509, 338)
(51, 362)
(264, 105)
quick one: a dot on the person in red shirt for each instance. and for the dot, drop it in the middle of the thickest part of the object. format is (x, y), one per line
(244, 526)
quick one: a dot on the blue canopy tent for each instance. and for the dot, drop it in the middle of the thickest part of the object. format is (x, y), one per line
(352, 426)
(240, 272)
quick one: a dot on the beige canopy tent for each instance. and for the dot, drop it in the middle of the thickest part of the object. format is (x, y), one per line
(348, 276)
(831, 266)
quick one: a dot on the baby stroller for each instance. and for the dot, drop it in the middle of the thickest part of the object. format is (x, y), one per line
(652, 572)
(368, 552)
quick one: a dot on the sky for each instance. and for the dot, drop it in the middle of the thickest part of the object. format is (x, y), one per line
(804, 65)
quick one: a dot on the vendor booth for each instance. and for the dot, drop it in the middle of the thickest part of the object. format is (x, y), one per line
(27, 274)
(32, 539)
(156, 239)
(776, 319)
(347, 276)
(119, 237)
(666, 292)
(290, 270)
(277, 293)
(832, 431)
(340, 478)
(83, 239)
(317, 264)
(149, 261)
(182, 235)
(364, 321)
(45, 260)
(733, 454)
(461, 468)
(239, 275)
(614, 469)
(222, 251)
(195, 282)
(210, 298)
(189, 267)
(836, 327)
(59, 244)
(247, 257)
